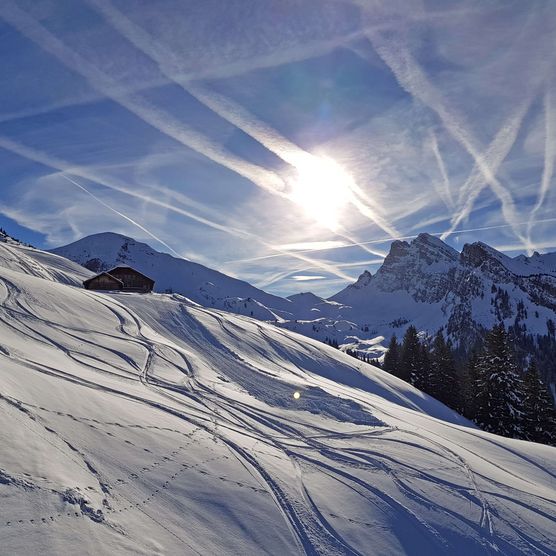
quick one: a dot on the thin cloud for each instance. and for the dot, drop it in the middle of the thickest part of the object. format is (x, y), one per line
(306, 278)
(157, 118)
(122, 215)
(495, 154)
(446, 190)
(58, 164)
(549, 156)
(312, 245)
(413, 79)
(226, 108)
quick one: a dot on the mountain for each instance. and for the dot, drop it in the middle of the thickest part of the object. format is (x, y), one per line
(148, 424)
(431, 285)
(100, 252)
(428, 284)
(208, 287)
(424, 282)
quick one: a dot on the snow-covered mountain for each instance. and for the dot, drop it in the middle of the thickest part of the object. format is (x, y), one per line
(208, 287)
(7, 238)
(426, 283)
(147, 424)
(431, 285)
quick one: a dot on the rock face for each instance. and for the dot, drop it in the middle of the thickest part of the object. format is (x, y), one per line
(429, 284)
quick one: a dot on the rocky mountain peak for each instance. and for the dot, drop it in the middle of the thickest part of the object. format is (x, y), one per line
(363, 281)
(432, 249)
(481, 255)
(424, 250)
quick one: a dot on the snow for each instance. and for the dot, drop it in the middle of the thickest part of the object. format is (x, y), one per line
(147, 424)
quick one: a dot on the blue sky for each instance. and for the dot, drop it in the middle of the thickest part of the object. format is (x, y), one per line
(284, 142)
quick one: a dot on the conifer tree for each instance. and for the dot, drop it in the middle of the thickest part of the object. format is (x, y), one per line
(498, 387)
(421, 376)
(410, 361)
(539, 416)
(392, 358)
(443, 382)
(469, 382)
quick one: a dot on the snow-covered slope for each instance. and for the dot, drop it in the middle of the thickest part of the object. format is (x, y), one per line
(147, 424)
(34, 262)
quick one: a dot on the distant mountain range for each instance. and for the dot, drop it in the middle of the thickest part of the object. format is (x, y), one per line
(425, 282)
(203, 285)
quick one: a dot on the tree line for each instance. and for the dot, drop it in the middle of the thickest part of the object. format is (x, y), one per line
(486, 386)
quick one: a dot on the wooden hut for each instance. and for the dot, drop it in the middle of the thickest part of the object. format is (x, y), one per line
(120, 278)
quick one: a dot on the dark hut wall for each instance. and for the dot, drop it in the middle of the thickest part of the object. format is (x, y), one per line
(133, 280)
(104, 282)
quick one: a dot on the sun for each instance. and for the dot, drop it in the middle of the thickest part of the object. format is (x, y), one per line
(323, 188)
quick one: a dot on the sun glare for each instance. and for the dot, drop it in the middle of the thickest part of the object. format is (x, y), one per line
(322, 188)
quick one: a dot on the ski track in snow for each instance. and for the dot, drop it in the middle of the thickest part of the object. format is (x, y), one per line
(155, 422)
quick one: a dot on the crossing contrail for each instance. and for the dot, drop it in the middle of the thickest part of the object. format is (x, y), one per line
(171, 66)
(150, 114)
(67, 168)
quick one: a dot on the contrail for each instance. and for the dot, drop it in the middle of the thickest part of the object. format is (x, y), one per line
(124, 216)
(496, 153)
(63, 166)
(412, 78)
(549, 155)
(170, 66)
(446, 192)
(160, 120)
(401, 238)
(66, 167)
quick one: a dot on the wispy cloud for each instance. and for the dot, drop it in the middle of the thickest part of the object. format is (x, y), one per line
(121, 214)
(64, 166)
(549, 156)
(411, 76)
(306, 278)
(312, 245)
(150, 114)
(484, 175)
(445, 190)
(171, 66)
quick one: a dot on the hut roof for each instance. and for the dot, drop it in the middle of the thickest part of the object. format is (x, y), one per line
(88, 281)
(126, 267)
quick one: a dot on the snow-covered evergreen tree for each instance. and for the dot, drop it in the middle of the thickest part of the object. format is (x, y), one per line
(443, 381)
(539, 416)
(392, 357)
(410, 363)
(498, 388)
